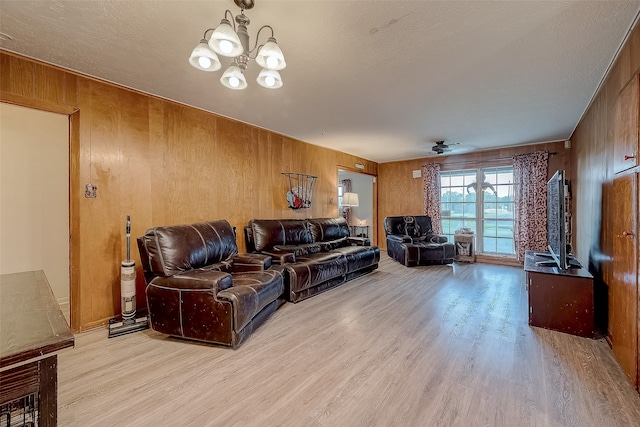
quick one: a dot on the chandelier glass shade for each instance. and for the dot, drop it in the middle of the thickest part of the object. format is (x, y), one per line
(224, 40)
(233, 41)
(203, 58)
(270, 79)
(270, 56)
(233, 78)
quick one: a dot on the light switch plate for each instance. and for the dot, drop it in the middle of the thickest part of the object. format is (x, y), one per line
(90, 191)
(417, 173)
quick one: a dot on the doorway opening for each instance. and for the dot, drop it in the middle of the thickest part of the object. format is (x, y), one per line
(360, 214)
(34, 213)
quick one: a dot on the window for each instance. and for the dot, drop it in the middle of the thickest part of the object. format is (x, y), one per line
(481, 200)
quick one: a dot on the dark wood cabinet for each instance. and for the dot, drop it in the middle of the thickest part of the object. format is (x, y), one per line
(561, 300)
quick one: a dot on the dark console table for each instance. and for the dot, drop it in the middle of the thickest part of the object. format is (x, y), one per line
(32, 330)
(561, 300)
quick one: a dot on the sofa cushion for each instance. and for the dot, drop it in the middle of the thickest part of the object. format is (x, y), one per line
(328, 229)
(359, 257)
(172, 249)
(311, 270)
(304, 249)
(268, 233)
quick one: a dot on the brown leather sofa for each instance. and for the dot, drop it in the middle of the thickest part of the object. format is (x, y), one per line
(199, 288)
(316, 254)
(411, 241)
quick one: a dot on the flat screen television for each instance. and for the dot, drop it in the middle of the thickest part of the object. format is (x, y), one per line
(557, 223)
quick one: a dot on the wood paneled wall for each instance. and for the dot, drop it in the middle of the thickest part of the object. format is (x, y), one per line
(162, 163)
(593, 163)
(592, 160)
(401, 194)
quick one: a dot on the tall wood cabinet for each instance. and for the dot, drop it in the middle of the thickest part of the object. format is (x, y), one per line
(624, 298)
(625, 126)
(623, 291)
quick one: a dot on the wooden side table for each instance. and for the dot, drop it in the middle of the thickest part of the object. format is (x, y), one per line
(359, 231)
(32, 331)
(465, 247)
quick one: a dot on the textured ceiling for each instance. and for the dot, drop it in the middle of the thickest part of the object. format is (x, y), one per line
(378, 79)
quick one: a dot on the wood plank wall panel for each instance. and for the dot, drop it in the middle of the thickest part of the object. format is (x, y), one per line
(50, 84)
(83, 304)
(162, 163)
(135, 182)
(19, 76)
(74, 214)
(593, 163)
(401, 194)
(104, 210)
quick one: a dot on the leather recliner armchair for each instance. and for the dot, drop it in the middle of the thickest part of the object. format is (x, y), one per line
(411, 241)
(199, 288)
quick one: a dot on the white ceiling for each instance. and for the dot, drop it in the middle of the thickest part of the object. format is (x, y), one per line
(378, 79)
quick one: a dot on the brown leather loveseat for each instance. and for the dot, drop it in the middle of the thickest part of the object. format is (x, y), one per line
(317, 254)
(411, 241)
(199, 288)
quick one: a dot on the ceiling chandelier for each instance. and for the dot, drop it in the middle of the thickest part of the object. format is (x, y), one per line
(233, 42)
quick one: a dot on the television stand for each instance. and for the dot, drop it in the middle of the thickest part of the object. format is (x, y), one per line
(561, 300)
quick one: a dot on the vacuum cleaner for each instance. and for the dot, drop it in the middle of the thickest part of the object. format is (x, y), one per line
(129, 322)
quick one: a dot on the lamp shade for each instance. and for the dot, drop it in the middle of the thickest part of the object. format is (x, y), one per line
(203, 58)
(224, 40)
(350, 199)
(270, 79)
(270, 56)
(233, 78)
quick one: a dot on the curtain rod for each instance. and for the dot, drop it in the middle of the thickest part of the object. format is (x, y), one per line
(486, 160)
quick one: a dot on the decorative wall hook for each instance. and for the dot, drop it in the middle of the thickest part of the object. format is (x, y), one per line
(300, 190)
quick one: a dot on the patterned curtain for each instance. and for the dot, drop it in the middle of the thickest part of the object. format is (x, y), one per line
(431, 187)
(530, 188)
(346, 210)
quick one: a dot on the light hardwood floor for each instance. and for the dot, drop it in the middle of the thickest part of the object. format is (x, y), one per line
(421, 346)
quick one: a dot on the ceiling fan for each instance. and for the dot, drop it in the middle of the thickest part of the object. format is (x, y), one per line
(442, 147)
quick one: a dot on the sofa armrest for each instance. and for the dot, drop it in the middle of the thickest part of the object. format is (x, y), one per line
(250, 262)
(280, 257)
(435, 238)
(359, 241)
(399, 238)
(195, 279)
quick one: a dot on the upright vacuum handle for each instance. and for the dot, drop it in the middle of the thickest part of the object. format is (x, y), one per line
(128, 237)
